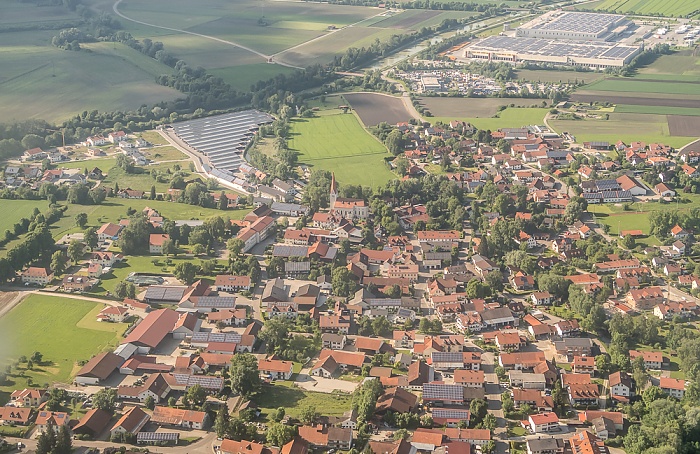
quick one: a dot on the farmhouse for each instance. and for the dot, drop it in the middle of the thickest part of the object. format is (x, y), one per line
(35, 275)
(188, 419)
(98, 369)
(131, 422)
(275, 368)
(152, 330)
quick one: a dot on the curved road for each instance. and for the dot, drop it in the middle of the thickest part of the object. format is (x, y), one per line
(268, 58)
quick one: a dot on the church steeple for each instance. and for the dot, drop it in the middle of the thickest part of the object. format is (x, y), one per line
(333, 191)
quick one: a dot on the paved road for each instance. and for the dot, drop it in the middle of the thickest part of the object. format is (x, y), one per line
(205, 445)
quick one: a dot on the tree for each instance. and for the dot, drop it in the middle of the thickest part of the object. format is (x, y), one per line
(90, 237)
(479, 409)
(196, 395)
(394, 142)
(153, 193)
(37, 357)
(75, 251)
(235, 246)
(245, 377)
(628, 242)
(58, 262)
(275, 334)
(46, 441)
(489, 422)
(402, 165)
(81, 220)
(381, 326)
(426, 421)
(279, 414)
(343, 282)
(125, 289)
(494, 280)
(279, 434)
(308, 414)
(105, 399)
(150, 403)
(185, 271)
(402, 434)
(169, 247)
(221, 421)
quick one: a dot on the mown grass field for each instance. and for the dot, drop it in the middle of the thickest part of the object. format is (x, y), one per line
(114, 209)
(680, 63)
(64, 330)
(656, 110)
(508, 118)
(14, 210)
(337, 142)
(38, 80)
(471, 107)
(676, 8)
(643, 86)
(295, 400)
(627, 127)
(558, 76)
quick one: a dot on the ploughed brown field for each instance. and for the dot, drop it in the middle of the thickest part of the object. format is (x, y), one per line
(637, 100)
(375, 108)
(684, 125)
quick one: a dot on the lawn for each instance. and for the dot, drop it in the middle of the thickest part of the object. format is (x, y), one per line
(164, 153)
(18, 13)
(681, 63)
(42, 81)
(676, 8)
(113, 209)
(64, 330)
(338, 142)
(508, 118)
(294, 400)
(628, 127)
(17, 209)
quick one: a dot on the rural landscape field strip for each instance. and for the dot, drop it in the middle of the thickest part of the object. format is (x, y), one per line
(375, 108)
(639, 100)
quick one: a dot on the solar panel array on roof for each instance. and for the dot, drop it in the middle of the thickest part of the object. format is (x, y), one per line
(440, 391)
(531, 48)
(164, 293)
(222, 138)
(447, 357)
(229, 338)
(447, 413)
(216, 301)
(285, 250)
(607, 185)
(204, 381)
(157, 436)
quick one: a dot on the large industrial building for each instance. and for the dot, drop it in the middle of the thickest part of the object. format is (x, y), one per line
(575, 26)
(562, 39)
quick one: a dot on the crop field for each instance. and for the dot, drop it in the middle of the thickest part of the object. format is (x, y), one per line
(244, 76)
(375, 108)
(41, 81)
(677, 8)
(323, 50)
(646, 99)
(684, 125)
(627, 127)
(337, 142)
(657, 110)
(19, 13)
(471, 107)
(64, 330)
(509, 118)
(407, 19)
(681, 63)
(558, 76)
(644, 86)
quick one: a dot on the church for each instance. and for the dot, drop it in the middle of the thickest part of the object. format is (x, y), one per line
(347, 208)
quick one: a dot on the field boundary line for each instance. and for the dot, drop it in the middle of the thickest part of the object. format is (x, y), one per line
(268, 58)
(24, 73)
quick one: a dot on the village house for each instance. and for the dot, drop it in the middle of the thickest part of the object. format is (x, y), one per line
(275, 369)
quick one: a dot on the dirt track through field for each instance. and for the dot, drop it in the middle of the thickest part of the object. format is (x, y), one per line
(374, 108)
(683, 125)
(636, 100)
